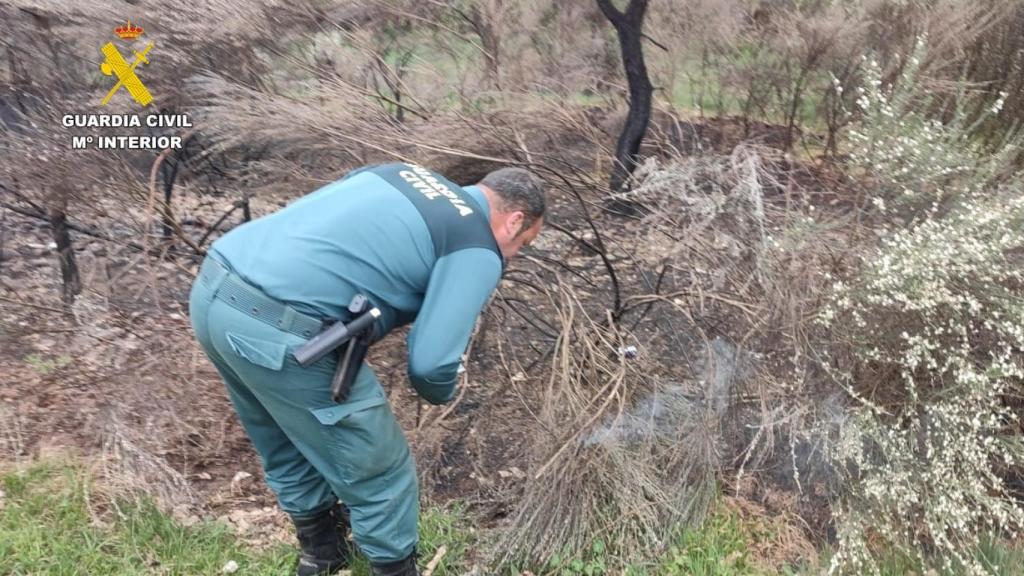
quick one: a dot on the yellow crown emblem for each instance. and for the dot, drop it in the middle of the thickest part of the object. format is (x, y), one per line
(128, 32)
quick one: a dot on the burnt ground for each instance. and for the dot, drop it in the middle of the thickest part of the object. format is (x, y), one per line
(120, 381)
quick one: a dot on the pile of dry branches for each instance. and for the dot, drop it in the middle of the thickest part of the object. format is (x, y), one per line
(707, 371)
(609, 474)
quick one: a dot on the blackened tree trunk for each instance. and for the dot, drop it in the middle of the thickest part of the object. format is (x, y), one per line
(485, 29)
(246, 212)
(169, 172)
(72, 284)
(629, 27)
(3, 229)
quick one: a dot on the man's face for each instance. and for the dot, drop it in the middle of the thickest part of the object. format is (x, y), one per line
(509, 233)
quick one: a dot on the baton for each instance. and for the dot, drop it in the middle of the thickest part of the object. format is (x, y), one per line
(339, 333)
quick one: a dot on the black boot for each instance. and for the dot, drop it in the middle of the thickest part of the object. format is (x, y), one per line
(343, 525)
(323, 539)
(406, 567)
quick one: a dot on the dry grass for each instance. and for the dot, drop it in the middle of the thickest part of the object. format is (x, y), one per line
(777, 538)
(12, 438)
(128, 471)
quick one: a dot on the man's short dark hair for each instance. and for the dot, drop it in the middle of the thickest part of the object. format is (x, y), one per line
(519, 189)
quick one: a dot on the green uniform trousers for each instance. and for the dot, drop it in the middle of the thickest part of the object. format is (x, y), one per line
(314, 451)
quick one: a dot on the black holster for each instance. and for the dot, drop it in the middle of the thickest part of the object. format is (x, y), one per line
(350, 359)
(351, 354)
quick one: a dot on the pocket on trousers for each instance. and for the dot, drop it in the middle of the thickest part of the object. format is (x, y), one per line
(362, 436)
(260, 352)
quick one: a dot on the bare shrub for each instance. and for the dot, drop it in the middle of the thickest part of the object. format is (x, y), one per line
(995, 60)
(722, 377)
(610, 473)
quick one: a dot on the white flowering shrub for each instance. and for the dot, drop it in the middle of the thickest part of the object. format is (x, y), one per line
(937, 325)
(917, 160)
(933, 334)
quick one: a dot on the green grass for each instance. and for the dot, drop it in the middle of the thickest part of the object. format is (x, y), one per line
(718, 548)
(722, 546)
(46, 528)
(1000, 558)
(45, 365)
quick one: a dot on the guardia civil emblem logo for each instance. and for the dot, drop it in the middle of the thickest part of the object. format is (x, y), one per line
(115, 65)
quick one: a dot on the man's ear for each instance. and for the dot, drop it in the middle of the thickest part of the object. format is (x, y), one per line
(515, 223)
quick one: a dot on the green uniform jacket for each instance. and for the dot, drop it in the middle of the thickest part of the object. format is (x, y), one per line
(417, 245)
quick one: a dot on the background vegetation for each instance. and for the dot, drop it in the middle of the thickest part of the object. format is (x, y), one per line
(774, 324)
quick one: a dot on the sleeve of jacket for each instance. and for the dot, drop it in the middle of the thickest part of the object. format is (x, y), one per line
(460, 284)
